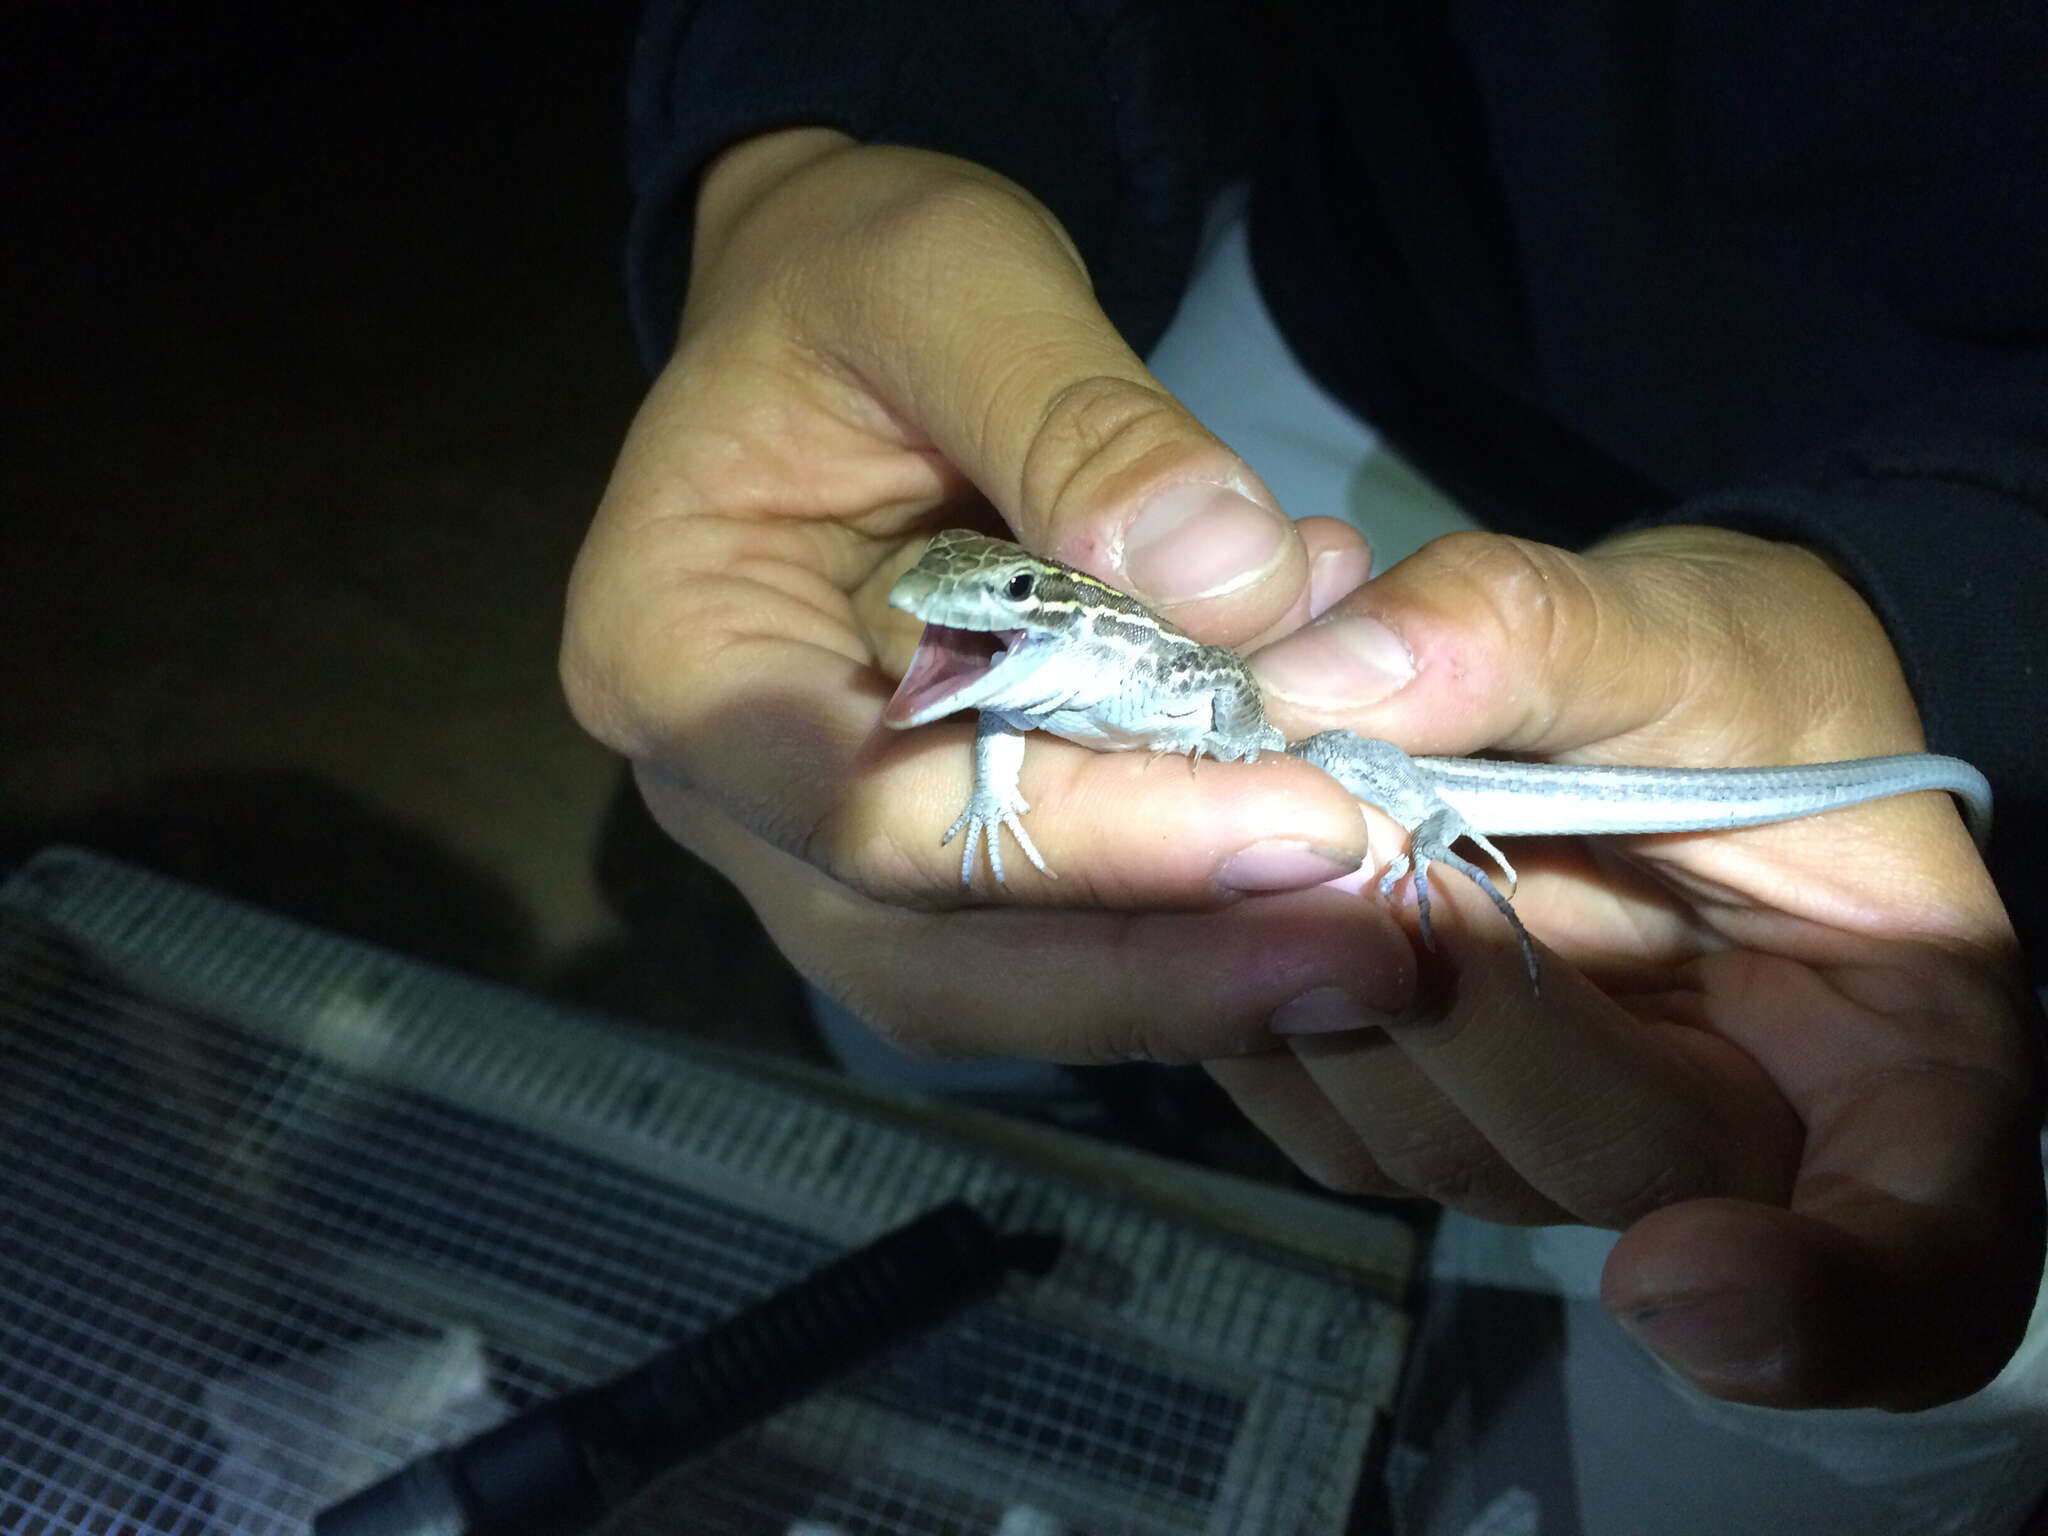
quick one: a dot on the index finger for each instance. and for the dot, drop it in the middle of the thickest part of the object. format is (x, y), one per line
(1123, 830)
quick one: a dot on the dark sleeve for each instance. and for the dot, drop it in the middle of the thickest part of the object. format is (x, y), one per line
(1119, 115)
(1943, 525)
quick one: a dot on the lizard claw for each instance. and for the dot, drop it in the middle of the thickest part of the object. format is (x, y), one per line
(983, 821)
(1430, 843)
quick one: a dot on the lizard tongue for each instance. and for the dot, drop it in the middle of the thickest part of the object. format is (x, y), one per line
(946, 661)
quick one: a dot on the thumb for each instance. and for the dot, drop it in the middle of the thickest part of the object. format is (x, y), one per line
(1690, 641)
(969, 314)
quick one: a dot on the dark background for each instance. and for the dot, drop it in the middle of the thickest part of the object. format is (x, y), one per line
(315, 363)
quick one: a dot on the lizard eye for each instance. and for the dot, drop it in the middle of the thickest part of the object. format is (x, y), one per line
(1019, 587)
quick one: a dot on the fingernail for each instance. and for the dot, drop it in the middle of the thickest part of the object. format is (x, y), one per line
(1334, 575)
(1201, 540)
(1344, 664)
(1324, 1011)
(1720, 1338)
(1281, 864)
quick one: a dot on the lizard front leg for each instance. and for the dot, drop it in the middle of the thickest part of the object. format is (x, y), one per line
(996, 801)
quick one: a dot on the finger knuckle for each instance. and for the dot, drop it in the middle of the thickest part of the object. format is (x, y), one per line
(1523, 583)
(1147, 1038)
(1665, 1175)
(913, 1031)
(720, 540)
(1612, 1178)
(1086, 414)
(1090, 418)
(1345, 1169)
(1455, 1171)
(1531, 604)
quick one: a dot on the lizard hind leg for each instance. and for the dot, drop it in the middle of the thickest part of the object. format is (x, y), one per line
(1500, 861)
(1430, 843)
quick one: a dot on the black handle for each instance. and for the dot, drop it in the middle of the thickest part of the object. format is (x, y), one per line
(556, 1468)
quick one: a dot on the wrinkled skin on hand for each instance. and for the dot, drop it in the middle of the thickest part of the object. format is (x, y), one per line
(1793, 1063)
(1796, 1064)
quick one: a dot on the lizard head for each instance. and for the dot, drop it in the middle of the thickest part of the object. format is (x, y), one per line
(993, 611)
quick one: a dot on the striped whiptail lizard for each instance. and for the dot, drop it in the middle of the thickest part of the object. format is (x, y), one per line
(1036, 645)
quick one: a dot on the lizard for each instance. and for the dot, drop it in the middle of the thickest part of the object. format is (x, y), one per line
(1035, 644)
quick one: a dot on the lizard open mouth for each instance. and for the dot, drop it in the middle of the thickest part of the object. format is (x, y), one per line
(947, 662)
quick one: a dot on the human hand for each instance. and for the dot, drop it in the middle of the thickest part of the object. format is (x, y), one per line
(1795, 1063)
(873, 341)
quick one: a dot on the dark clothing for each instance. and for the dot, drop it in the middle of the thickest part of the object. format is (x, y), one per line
(1589, 263)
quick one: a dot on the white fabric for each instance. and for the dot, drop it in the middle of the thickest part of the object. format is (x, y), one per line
(1224, 359)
